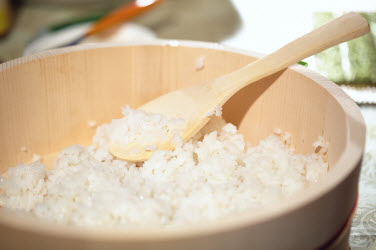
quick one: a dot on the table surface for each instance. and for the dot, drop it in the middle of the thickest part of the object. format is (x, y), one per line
(363, 230)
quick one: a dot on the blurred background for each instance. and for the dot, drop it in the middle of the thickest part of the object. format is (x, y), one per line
(29, 26)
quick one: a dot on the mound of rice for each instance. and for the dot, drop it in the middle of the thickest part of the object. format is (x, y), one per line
(214, 175)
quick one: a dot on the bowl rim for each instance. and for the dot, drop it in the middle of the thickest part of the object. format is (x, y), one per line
(349, 160)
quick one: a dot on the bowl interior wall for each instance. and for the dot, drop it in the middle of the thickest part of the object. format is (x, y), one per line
(46, 103)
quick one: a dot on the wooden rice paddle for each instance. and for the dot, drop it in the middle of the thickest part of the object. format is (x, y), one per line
(193, 103)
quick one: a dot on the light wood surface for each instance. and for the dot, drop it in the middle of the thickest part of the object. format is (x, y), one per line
(47, 99)
(192, 104)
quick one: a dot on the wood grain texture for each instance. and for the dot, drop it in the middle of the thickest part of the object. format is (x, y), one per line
(47, 99)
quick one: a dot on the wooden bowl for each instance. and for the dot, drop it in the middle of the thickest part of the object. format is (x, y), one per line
(47, 99)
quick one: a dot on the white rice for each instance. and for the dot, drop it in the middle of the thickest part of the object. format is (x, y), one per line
(321, 145)
(200, 180)
(217, 111)
(92, 123)
(277, 131)
(36, 157)
(200, 63)
(286, 138)
(137, 127)
(209, 113)
(151, 147)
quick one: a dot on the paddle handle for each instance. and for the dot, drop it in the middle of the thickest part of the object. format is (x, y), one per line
(342, 29)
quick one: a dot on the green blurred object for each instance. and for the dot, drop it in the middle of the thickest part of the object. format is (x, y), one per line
(303, 63)
(329, 62)
(79, 20)
(361, 56)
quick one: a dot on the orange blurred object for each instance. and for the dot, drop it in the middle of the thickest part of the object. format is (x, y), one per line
(122, 14)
